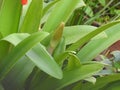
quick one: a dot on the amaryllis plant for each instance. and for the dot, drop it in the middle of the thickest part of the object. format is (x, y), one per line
(38, 51)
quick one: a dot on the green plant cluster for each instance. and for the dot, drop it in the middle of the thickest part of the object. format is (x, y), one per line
(41, 49)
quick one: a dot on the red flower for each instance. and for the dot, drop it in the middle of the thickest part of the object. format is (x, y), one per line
(24, 2)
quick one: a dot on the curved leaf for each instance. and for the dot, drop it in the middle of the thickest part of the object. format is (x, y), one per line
(70, 77)
(33, 16)
(38, 55)
(18, 74)
(90, 35)
(74, 33)
(60, 13)
(42, 59)
(94, 47)
(19, 51)
(101, 82)
(49, 6)
(10, 15)
(10, 12)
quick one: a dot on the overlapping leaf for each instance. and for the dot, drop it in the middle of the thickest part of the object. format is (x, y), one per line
(10, 12)
(19, 51)
(60, 13)
(32, 18)
(38, 55)
(70, 77)
(94, 47)
(90, 35)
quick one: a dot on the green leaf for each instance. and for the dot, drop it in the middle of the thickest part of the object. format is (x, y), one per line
(74, 33)
(62, 56)
(9, 21)
(90, 35)
(9, 16)
(15, 38)
(101, 82)
(18, 74)
(70, 77)
(42, 59)
(38, 55)
(33, 16)
(22, 47)
(36, 78)
(94, 47)
(79, 74)
(112, 86)
(49, 6)
(73, 63)
(60, 13)
(24, 11)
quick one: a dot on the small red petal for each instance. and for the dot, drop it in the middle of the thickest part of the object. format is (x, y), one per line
(24, 2)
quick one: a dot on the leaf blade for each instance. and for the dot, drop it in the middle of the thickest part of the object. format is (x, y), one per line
(38, 55)
(28, 43)
(60, 13)
(33, 16)
(86, 38)
(94, 47)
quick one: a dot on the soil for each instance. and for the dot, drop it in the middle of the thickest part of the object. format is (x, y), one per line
(113, 47)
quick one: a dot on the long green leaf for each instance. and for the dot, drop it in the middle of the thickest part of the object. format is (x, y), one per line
(60, 13)
(101, 82)
(79, 74)
(112, 86)
(18, 74)
(94, 47)
(32, 19)
(49, 6)
(62, 56)
(38, 55)
(44, 61)
(15, 38)
(70, 77)
(90, 35)
(9, 16)
(9, 21)
(74, 33)
(19, 51)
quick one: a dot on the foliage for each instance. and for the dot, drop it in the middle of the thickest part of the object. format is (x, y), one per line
(96, 13)
(40, 49)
